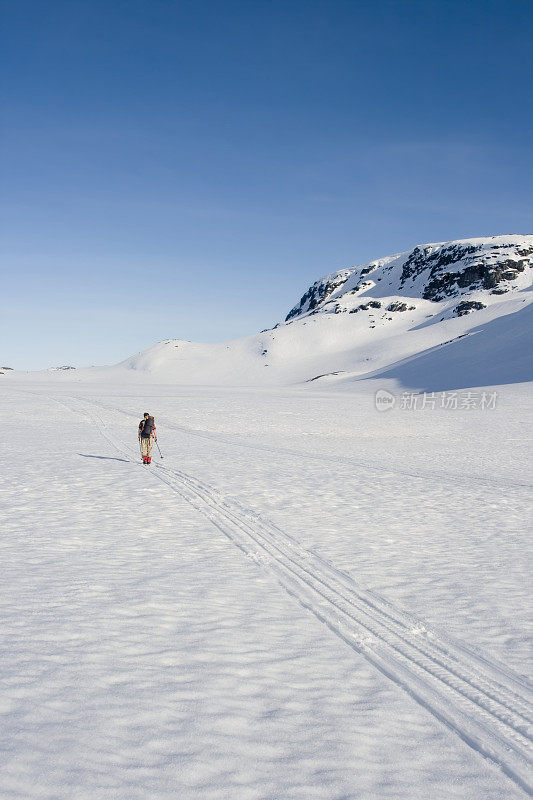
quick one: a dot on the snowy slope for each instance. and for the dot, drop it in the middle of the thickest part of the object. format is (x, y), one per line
(361, 320)
(495, 353)
(305, 599)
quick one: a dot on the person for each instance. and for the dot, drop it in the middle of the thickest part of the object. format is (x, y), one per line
(147, 434)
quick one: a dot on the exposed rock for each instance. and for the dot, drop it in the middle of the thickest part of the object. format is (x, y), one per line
(422, 257)
(366, 306)
(434, 272)
(361, 286)
(317, 293)
(325, 375)
(467, 306)
(474, 276)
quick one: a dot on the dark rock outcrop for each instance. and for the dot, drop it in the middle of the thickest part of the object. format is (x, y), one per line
(434, 272)
(467, 306)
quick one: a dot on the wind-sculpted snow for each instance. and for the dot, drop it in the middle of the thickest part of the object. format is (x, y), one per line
(496, 352)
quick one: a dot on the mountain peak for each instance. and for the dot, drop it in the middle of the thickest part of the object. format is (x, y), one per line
(486, 267)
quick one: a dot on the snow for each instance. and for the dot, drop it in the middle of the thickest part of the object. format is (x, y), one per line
(322, 344)
(388, 271)
(350, 336)
(312, 595)
(498, 351)
(306, 598)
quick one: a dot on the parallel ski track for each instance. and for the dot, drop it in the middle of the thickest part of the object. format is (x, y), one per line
(487, 706)
(446, 477)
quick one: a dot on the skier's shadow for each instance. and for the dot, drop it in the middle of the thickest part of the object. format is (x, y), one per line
(105, 458)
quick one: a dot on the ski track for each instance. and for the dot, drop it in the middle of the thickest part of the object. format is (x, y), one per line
(446, 477)
(482, 702)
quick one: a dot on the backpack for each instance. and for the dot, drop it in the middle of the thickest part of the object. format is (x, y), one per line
(149, 425)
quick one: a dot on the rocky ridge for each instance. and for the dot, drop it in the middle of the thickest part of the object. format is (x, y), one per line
(483, 269)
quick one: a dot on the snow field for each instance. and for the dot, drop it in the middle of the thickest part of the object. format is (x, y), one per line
(147, 655)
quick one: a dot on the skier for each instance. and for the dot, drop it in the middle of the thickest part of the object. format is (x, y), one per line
(147, 434)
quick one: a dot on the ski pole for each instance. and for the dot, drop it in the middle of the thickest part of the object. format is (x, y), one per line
(160, 453)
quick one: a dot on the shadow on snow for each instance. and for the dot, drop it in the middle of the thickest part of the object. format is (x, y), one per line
(105, 458)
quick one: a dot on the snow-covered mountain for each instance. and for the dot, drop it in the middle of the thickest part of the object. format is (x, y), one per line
(480, 270)
(377, 318)
(382, 559)
(443, 315)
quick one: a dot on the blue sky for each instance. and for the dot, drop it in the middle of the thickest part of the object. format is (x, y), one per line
(176, 169)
